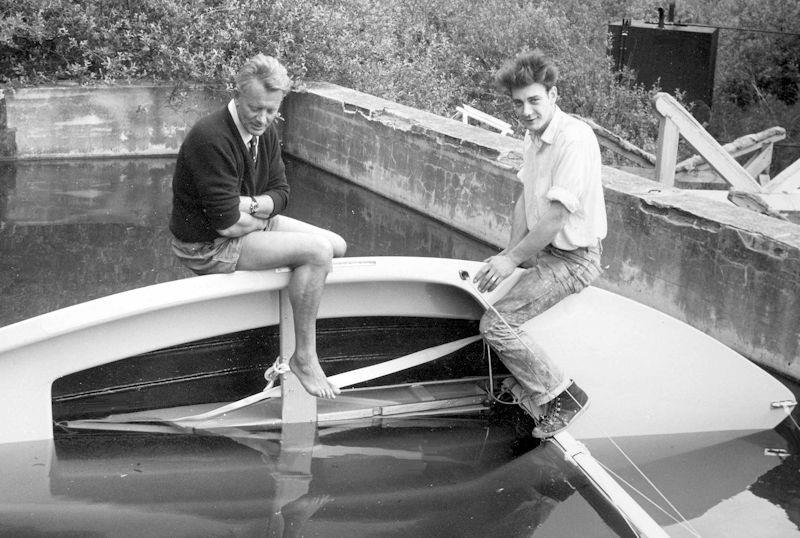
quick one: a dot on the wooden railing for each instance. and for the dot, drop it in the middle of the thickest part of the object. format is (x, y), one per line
(676, 121)
(761, 144)
(619, 145)
(469, 113)
(774, 197)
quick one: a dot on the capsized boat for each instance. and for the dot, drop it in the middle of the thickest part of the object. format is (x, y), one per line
(191, 353)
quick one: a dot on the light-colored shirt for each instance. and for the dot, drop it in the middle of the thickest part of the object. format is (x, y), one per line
(564, 165)
(246, 136)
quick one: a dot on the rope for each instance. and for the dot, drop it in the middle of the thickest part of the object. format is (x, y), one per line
(278, 368)
(465, 276)
(787, 407)
(487, 353)
(652, 485)
(683, 523)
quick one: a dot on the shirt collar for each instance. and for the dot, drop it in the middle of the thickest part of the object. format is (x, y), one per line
(246, 136)
(550, 131)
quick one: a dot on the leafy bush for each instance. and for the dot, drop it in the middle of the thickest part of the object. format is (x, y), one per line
(431, 54)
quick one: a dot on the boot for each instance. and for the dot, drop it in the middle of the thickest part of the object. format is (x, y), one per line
(561, 411)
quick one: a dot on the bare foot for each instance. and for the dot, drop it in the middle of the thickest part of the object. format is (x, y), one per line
(313, 378)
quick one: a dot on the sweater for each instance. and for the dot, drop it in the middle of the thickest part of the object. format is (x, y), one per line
(213, 169)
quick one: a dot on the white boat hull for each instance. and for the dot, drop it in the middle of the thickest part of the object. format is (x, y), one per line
(647, 373)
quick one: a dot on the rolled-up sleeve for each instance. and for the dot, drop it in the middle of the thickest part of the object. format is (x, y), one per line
(572, 172)
(567, 198)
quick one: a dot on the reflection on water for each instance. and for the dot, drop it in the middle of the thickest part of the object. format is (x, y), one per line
(73, 231)
(427, 478)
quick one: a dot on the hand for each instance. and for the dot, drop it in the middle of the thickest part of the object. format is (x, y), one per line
(259, 224)
(497, 269)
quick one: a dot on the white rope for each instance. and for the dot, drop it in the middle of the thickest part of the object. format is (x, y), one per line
(487, 352)
(655, 488)
(683, 523)
(279, 367)
(465, 276)
(787, 407)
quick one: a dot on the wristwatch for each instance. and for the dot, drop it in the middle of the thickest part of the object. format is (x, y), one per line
(253, 205)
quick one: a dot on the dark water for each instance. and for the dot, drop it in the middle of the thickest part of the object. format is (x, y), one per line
(78, 230)
(73, 231)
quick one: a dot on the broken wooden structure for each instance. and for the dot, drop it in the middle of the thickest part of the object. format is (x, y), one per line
(748, 185)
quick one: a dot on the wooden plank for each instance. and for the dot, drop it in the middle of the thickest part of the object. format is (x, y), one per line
(694, 133)
(619, 145)
(578, 454)
(759, 162)
(398, 409)
(741, 146)
(667, 151)
(468, 112)
(786, 181)
(754, 201)
(783, 202)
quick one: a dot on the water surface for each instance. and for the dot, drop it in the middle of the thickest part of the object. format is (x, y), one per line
(75, 230)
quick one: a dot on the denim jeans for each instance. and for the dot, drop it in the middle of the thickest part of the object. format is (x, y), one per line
(555, 275)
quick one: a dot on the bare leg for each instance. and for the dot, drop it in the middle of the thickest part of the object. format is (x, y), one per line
(282, 223)
(309, 255)
(305, 293)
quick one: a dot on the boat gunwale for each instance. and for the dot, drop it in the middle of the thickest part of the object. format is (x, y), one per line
(199, 289)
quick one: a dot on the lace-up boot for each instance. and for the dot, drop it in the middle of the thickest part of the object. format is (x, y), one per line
(561, 411)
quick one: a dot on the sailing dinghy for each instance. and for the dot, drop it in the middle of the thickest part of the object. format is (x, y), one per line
(400, 335)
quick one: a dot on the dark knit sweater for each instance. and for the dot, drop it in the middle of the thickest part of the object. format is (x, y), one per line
(213, 169)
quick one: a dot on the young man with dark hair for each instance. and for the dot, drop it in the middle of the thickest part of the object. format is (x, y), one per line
(557, 225)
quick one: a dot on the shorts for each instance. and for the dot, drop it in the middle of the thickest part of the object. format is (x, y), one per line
(218, 256)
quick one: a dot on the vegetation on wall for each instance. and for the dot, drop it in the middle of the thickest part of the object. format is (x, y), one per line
(431, 54)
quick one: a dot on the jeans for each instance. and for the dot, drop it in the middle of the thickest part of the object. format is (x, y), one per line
(554, 275)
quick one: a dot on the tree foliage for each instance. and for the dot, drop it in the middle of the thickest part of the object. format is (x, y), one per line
(431, 54)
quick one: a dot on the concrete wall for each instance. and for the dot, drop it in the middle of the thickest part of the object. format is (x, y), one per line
(731, 273)
(75, 121)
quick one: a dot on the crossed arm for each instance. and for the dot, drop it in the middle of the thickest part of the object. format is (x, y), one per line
(248, 223)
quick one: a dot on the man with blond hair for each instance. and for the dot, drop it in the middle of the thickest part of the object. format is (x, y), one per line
(229, 189)
(557, 225)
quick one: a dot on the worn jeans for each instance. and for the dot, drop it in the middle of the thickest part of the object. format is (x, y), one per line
(555, 275)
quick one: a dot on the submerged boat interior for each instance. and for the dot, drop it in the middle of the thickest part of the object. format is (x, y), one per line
(231, 366)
